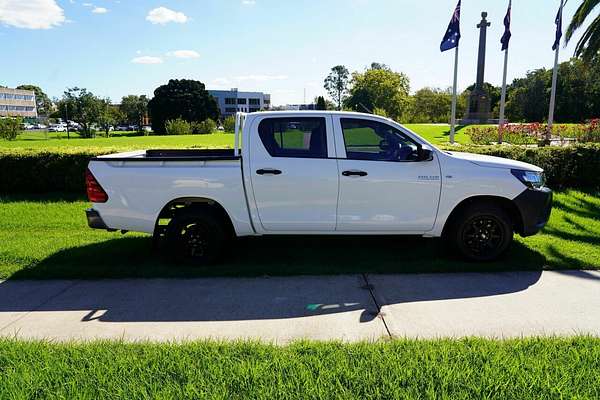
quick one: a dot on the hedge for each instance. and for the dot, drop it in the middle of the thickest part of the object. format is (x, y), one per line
(576, 167)
(35, 171)
(59, 170)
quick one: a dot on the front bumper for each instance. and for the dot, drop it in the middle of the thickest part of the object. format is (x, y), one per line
(535, 207)
(94, 219)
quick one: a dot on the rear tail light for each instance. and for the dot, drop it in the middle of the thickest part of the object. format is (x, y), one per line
(95, 192)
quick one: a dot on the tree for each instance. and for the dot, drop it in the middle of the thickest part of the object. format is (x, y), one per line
(380, 88)
(135, 109)
(185, 99)
(320, 103)
(81, 106)
(109, 116)
(588, 46)
(336, 84)
(528, 98)
(42, 101)
(431, 105)
(229, 124)
(578, 93)
(10, 127)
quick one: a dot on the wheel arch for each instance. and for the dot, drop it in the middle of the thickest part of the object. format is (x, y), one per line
(506, 204)
(182, 205)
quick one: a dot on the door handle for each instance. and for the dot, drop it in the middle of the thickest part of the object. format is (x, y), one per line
(268, 171)
(354, 173)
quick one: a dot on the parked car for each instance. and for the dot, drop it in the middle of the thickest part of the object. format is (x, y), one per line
(146, 128)
(315, 173)
(122, 128)
(57, 128)
(28, 127)
(40, 126)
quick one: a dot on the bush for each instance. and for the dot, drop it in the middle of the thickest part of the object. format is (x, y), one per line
(178, 127)
(35, 171)
(205, 127)
(10, 127)
(576, 166)
(229, 124)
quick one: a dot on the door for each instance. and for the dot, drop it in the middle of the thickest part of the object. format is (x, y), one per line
(383, 184)
(295, 183)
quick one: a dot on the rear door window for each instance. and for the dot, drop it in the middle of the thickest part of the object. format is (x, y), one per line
(304, 137)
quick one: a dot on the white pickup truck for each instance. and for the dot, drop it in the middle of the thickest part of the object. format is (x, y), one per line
(317, 173)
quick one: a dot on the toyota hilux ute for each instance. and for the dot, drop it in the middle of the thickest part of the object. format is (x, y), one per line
(317, 173)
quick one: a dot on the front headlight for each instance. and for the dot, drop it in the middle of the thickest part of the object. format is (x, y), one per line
(531, 179)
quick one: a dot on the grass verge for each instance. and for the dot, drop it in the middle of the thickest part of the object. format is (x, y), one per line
(447, 369)
(47, 237)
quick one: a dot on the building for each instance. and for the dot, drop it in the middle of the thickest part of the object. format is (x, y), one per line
(17, 103)
(232, 101)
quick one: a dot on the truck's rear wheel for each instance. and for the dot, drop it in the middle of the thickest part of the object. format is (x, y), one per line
(195, 238)
(481, 232)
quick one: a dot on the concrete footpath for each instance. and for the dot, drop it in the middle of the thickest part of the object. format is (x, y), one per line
(280, 309)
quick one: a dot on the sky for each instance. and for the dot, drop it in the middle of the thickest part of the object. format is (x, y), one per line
(286, 48)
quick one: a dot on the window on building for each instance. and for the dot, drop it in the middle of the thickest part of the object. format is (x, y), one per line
(254, 102)
(254, 109)
(267, 101)
(230, 100)
(230, 110)
(294, 137)
(30, 109)
(241, 101)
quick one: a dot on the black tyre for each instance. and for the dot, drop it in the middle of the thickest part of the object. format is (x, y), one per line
(481, 232)
(195, 238)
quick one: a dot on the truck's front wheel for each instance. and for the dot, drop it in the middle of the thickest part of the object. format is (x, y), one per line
(195, 238)
(482, 232)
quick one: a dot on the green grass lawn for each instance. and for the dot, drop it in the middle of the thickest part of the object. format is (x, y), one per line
(440, 133)
(48, 237)
(123, 141)
(399, 369)
(436, 134)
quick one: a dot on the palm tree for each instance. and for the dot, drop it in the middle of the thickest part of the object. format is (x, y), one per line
(588, 46)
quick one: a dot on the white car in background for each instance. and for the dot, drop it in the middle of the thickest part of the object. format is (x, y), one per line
(318, 173)
(57, 128)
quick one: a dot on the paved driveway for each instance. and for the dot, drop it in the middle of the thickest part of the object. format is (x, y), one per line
(349, 308)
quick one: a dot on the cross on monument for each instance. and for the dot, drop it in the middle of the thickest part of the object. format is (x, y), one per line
(479, 101)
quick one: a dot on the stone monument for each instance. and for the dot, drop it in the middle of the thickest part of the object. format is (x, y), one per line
(478, 111)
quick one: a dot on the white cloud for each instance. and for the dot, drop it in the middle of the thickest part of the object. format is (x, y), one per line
(248, 2)
(184, 54)
(260, 78)
(163, 15)
(31, 14)
(87, 4)
(147, 60)
(99, 10)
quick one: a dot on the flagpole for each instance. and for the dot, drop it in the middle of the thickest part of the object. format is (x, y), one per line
(453, 118)
(553, 93)
(503, 96)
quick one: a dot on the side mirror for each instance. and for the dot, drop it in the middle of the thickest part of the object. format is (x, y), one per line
(425, 153)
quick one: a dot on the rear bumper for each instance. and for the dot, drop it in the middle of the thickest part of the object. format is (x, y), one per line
(535, 207)
(94, 219)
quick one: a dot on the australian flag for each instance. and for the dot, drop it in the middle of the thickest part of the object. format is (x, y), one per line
(558, 28)
(452, 35)
(506, 37)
